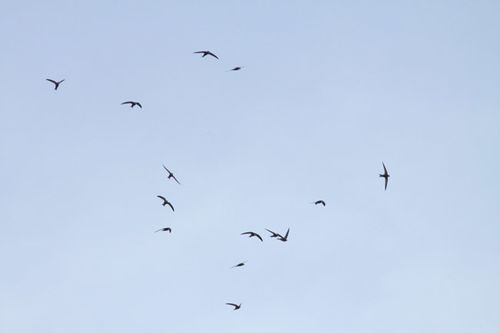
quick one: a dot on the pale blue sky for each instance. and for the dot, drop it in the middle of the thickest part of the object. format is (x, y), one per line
(330, 89)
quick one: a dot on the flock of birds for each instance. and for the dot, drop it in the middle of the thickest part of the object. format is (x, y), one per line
(171, 176)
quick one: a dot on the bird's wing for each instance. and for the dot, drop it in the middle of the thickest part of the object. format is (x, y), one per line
(213, 55)
(258, 236)
(232, 304)
(60, 81)
(385, 169)
(168, 203)
(247, 233)
(159, 230)
(271, 231)
(286, 235)
(161, 197)
(127, 102)
(175, 179)
(198, 52)
(164, 167)
(139, 104)
(50, 80)
(386, 181)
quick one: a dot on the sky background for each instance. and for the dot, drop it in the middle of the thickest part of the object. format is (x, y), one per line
(329, 90)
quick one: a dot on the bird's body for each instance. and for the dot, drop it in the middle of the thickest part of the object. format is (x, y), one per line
(171, 175)
(236, 306)
(385, 175)
(165, 202)
(132, 104)
(241, 264)
(205, 53)
(165, 229)
(252, 234)
(56, 83)
(274, 234)
(237, 68)
(284, 239)
(320, 202)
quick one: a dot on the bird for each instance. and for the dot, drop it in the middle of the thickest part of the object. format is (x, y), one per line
(252, 234)
(56, 83)
(132, 104)
(385, 176)
(236, 306)
(274, 234)
(165, 229)
(241, 264)
(284, 239)
(320, 202)
(166, 202)
(170, 174)
(205, 53)
(235, 69)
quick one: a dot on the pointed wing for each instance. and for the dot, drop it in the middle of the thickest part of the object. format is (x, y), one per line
(385, 169)
(287, 232)
(139, 104)
(247, 233)
(127, 102)
(164, 167)
(175, 179)
(213, 55)
(199, 52)
(258, 236)
(162, 198)
(60, 81)
(168, 203)
(386, 181)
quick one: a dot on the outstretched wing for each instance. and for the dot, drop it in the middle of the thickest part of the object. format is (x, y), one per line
(162, 198)
(213, 55)
(247, 233)
(258, 236)
(168, 203)
(139, 104)
(386, 181)
(127, 102)
(385, 169)
(286, 235)
(175, 179)
(232, 304)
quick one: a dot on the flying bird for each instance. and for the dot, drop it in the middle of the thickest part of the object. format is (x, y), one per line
(284, 239)
(205, 53)
(132, 104)
(56, 83)
(235, 69)
(252, 234)
(165, 229)
(166, 202)
(236, 306)
(385, 176)
(241, 264)
(171, 175)
(274, 234)
(320, 202)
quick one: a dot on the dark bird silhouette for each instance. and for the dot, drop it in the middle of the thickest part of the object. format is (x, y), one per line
(165, 229)
(132, 104)
(320, 202)
(171, 175)
(56, 83)
(252, 234)
(235, 69)
(274, 234)
(236, 306)
(241, 264)
(284, 239)
(385, 176)
(166, 202)
(205, 53)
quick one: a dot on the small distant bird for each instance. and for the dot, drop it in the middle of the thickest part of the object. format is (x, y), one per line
(170, 174)
(252, 234)
(241, 264)
(205, 53)
(236, 306)
(320, 202)
(165, 229)
(132, 104)
(385, 176)
(56, 83)
(284, 239)
(166, 202)
(274, 234)
(235, 69)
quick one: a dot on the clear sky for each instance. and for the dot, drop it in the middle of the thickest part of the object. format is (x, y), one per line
(328, 91)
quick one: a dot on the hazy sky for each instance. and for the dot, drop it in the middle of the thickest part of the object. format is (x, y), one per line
(329, 90)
